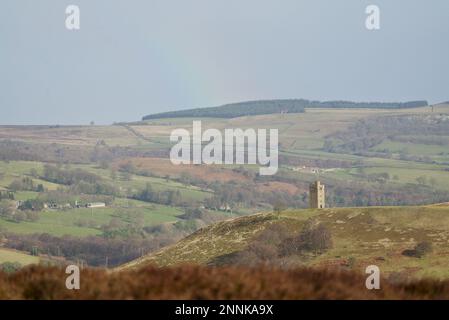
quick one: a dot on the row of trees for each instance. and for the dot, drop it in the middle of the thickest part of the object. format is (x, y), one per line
(237, 109)
(277, 106)
(25, 184)
(368, 133)
(68, 177)
(167, 197)
(80, 181)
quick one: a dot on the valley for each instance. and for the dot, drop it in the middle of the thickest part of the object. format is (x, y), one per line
(368, 158)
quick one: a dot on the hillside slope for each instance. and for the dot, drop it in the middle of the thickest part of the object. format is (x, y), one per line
(362, 236)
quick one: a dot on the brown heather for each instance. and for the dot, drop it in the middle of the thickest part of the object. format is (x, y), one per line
(199, 282)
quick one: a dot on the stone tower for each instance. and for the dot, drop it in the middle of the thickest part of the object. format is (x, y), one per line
(317, 195)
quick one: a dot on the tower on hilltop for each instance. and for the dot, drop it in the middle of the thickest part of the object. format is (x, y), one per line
(317, 195)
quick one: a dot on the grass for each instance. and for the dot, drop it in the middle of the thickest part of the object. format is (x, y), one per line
(20, 167)
(411, 148)
(13, 170)
(72, 135)
(375, 235)
(8, 255)
(84, 221)
(409, 175)
(55, 227)
(138, 182)
(25, 195)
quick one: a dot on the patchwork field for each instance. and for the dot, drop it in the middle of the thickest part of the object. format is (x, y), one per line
(365, 157)
(84, 221)
(163, 167)
(70, 135)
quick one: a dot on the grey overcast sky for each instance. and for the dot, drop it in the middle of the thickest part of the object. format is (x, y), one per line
(135, 57)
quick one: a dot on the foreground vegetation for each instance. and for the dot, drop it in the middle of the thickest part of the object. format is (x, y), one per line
(223, 283)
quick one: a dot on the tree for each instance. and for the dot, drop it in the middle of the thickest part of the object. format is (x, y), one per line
(25, 184)
(6, 209)
(10, 267)
(433, 182)
(420, 250)
(423, 248)
(278, 207)
(33, 173)
(422, 180)
(104, 164)
(351, 262)
(113, 174)
(125, 176)
(128, 167)
(32, 204)
(317, 239)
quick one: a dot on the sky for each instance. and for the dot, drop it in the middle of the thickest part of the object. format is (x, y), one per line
(131, 58)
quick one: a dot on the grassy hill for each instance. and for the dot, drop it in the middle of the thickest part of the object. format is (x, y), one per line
(361, 236)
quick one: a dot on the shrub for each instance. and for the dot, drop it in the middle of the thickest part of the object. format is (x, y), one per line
(6, 209)
(420, 250)
(25, 184)
(32, 204)
(423, 248)
(10, 267)
(316, 238)
(278, 207)
(410, 253)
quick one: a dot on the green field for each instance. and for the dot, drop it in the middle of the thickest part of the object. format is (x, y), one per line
(138, 182)
(7, 255)
(16, 169)
(412, 148)
(85, 221)
(67, 222)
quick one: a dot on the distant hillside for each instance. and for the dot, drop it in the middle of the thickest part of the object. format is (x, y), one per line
(361, 237)
(251, 108)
